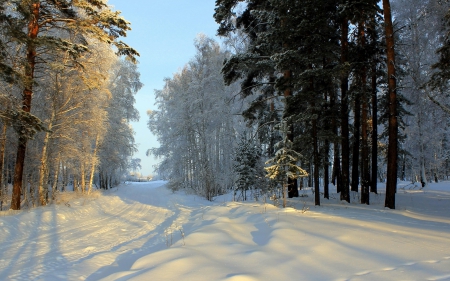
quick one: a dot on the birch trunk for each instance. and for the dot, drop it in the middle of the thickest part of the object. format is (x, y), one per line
(43, 170)
(2, 162)
(93, 164)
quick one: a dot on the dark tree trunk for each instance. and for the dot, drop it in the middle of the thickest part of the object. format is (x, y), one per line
(33, 30)
(391, 181)
(292, 188)
(374, 165)
(345, 193)
(310, 177)
(336, 174)
(356, 144)
(326, 167)
(316, 164)
(315, 151)
(365, 174)
(326, 153)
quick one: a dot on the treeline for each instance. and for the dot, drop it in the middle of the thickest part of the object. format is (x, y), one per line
(349, 92)
(66, 99)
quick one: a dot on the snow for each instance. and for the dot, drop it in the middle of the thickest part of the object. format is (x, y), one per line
(143, 231)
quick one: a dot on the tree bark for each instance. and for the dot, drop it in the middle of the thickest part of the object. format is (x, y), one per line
(93, 164)
(391, 181)
(43, 171)
(336, 174)
(33, 30)
(356, 143)
(365, 174)
(374, 165)
(2, 164)
(291, 183)
(345, 193)
(55, 178)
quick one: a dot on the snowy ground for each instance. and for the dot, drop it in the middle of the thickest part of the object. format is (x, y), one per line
(144, 232)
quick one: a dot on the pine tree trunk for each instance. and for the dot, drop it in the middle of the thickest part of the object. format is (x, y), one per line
(292, 183)
(365, 173)
(326, 153)
(316, 163)
(345, 192)
(33, 30)
(374, 165)
(356, 144)
(336, 175)
(326, 167)
(315, 147)
(391, 182)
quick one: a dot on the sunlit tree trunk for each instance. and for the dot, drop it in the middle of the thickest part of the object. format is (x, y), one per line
(43, 170)
(93, 164)
(33, 30)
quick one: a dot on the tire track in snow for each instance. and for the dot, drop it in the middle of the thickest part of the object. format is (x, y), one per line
(83, 241)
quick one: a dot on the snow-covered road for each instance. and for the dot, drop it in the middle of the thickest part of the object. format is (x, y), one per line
(144, 232)
(87, 238)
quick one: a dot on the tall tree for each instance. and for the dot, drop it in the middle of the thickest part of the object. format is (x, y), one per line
(391, 181)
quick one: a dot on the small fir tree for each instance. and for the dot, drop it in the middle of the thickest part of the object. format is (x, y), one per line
(246, 166)
(284, 164)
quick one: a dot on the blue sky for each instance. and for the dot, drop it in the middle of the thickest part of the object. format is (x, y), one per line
(163, 32)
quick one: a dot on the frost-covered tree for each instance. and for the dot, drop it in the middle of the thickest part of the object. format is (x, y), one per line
(420, 28)
(195, 124)
(247, 166)
(284, 165)
(118, 144)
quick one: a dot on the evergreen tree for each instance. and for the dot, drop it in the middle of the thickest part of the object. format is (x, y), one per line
(283, 165)
(246, 166)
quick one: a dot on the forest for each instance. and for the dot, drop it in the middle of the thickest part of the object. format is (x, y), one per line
(308, 94)
(297, 94)
(67, 86)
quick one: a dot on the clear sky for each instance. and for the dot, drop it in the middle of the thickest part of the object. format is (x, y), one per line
(163, 32)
